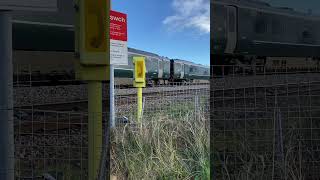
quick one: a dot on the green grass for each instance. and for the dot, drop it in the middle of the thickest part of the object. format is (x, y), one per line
(168, 145)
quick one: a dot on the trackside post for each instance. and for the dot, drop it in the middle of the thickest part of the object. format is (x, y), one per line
(92, 50)
(139, 82)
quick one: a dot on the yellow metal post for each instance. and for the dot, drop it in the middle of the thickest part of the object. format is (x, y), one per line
(94, 127)
(139, 113)
(92, 49)
(139, 82)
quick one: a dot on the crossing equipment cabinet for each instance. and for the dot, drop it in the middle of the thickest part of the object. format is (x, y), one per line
(139, 72)
(92, 34)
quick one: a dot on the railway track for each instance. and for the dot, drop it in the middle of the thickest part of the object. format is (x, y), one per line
(129, 98)
(46, 96)
(66, 81)
(34, 116)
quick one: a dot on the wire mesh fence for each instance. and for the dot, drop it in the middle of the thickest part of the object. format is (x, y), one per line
(265, 125)
(50, 142)
(51, 131)
(172, 140)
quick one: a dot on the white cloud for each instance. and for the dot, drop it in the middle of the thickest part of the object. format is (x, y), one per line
(189, 14)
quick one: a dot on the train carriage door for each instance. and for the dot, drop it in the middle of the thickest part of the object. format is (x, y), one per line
(160, 68)
(231, 29)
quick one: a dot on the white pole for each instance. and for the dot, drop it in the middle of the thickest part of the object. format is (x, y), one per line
(6, 98)
(112, 113)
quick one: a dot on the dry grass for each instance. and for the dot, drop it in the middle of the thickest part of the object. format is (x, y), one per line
(165, 146)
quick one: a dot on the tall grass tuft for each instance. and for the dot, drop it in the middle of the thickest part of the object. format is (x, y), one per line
(165, 146)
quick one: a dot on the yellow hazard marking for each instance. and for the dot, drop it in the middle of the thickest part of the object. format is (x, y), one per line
(95, 25)
(140, 69)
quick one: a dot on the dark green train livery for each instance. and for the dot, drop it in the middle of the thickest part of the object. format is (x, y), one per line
(182, 70)
(158, 68)
(250, 32)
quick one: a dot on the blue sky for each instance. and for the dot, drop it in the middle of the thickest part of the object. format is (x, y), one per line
(172, 28)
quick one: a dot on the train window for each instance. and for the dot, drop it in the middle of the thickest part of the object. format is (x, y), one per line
(186, 68)
(161, 65)
(206, 72)
(148, 63)
(177, 67)
(276, 26)
(195, 70)
(166, 66)
(130, 60)
(154, 64)
(261, 25)
(307, 36)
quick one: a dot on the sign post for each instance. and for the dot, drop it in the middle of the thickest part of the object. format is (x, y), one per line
(93, 65)
(118, 52)
(6, 78)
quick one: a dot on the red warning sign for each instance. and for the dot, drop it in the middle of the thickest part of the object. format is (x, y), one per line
(118, 38)
(118, 26)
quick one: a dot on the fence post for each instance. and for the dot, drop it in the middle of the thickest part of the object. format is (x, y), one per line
(94, 127)
(6, 98)
(112, 111)
(196, 106)
(278, 138)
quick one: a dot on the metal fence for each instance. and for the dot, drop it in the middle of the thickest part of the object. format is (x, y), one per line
(265, 125)
(173, 135)
(51, 124)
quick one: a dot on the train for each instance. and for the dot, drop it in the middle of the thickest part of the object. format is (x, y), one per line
(162, 70)
(43, 44)
(52, 68)
(246, 32)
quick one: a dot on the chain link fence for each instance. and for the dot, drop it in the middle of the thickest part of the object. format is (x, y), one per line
(51, 131)
(172, 140)
(265, 124)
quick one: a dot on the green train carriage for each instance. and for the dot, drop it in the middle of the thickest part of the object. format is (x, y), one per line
(186, 71)
(158, 68)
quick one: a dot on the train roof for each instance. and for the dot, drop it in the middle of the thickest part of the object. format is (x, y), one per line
(137, 51)
(165, 58)
(266, 7)
(190, 63)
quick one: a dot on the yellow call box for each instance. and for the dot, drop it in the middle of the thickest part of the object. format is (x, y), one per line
(93, 32)
(139, 71)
